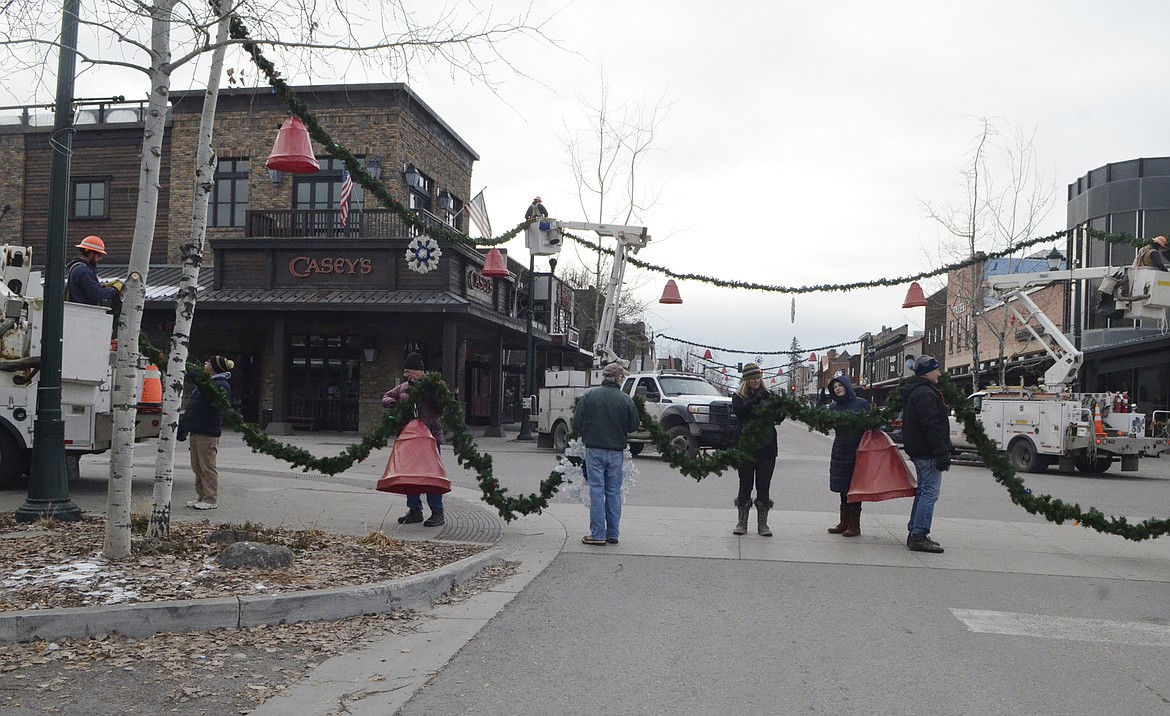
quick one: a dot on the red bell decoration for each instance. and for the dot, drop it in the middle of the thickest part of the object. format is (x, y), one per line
(707, 354)
(670, 293)
(493, 265)
(293, 152)
(914, 297)
(880, 472)
(812, 357)
(415, 466)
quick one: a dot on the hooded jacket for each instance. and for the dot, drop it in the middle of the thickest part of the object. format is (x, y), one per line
(926, 427)
(843, 458)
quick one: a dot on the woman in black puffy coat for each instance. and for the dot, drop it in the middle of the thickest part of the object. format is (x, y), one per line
(844, 455)
(758, 471)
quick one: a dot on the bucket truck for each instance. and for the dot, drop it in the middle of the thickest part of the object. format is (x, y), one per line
(691, 409)
(86, 371)
(1051, 424)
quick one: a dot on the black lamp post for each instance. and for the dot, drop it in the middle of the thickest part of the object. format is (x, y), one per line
(48, 485)
(529, 366)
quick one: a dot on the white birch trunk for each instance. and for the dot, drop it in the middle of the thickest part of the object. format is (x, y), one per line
(125, 396)
(205, 162)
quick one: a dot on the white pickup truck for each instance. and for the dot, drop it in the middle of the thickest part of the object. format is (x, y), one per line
(692, 410)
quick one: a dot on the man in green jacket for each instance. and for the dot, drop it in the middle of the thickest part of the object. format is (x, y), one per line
(605, 416)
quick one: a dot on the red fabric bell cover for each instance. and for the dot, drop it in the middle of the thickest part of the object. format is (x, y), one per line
(880, 472)
(415, 466)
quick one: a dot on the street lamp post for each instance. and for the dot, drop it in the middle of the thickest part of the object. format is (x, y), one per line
(529, 366)
(48, 486)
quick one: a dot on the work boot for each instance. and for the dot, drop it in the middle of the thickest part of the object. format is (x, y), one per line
(435, 520)
(762, 508)
(853, 529)
(922, 543)
(411, 517)
(744, 507)
(843, 524)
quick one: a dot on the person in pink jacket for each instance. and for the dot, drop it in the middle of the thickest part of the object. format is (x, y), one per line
(429, 412)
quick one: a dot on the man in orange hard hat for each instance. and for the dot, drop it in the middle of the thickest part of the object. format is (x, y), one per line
(81, 279)
(1151, 254)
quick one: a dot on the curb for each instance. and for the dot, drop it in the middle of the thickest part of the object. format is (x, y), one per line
(190, 615)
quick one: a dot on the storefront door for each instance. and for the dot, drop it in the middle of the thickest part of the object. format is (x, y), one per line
(324, 377)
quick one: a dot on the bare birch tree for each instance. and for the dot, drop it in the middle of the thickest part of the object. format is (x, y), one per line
(994, 215)
(142, 31)
(605, 157)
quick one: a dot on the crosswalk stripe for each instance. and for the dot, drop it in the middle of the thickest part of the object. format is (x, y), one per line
(1070, 628)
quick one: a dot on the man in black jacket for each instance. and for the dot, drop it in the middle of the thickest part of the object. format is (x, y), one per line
(204, 424)
(926, 437)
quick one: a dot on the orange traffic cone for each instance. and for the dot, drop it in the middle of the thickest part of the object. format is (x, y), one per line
(1098, 426)
(415, 466)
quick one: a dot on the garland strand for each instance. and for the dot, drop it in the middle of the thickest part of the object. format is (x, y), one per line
(977, 258)
(778, 408)
(757, 353)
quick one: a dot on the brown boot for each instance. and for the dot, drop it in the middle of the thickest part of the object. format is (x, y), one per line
(843, 524)
(853, 529)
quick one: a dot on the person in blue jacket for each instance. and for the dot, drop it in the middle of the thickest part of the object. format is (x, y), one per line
(82, 284)
(843, 458)
(204, 424)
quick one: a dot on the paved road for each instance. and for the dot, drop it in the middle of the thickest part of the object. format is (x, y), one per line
(1018, 617)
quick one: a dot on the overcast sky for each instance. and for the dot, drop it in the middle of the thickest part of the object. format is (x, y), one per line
(802, 139)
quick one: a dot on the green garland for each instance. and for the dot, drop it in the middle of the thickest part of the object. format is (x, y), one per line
(757, 353)
(774, 411)
(777, 408)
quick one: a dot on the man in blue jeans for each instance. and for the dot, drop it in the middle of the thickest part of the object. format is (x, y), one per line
(926, 437)
(605, 416)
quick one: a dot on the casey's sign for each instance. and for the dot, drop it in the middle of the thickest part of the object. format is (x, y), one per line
(305, 266)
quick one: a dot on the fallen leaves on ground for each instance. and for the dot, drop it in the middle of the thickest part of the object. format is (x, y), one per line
(51, 564)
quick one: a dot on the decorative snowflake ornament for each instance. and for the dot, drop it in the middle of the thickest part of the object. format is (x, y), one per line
(578, 488)
(422, 254)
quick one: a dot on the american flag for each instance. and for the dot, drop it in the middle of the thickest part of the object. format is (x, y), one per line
(346, 190)
(477, 210)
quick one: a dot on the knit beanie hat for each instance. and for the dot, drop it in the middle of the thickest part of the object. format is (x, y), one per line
(750, 370)
(413, 361)
(925, 364)
(219, 364)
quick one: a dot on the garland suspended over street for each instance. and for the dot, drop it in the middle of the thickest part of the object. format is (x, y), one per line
(778, 408)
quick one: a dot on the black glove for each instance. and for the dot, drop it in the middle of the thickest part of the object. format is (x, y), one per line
(181, 436)
(943, 462)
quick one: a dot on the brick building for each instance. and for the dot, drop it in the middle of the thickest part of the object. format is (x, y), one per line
(318, 316)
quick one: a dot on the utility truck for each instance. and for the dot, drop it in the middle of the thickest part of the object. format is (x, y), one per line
(690, 408)
(86, 372)
(1051, 424)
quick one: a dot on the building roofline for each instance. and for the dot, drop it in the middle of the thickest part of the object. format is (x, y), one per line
(399, 87)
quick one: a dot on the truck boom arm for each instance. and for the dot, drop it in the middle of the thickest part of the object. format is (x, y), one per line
(629, 239)
(1151, 302)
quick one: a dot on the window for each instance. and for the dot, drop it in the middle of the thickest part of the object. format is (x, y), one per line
(319, 195)
(322, 190)
(90, 199)
(420, 197)
(229, 193)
